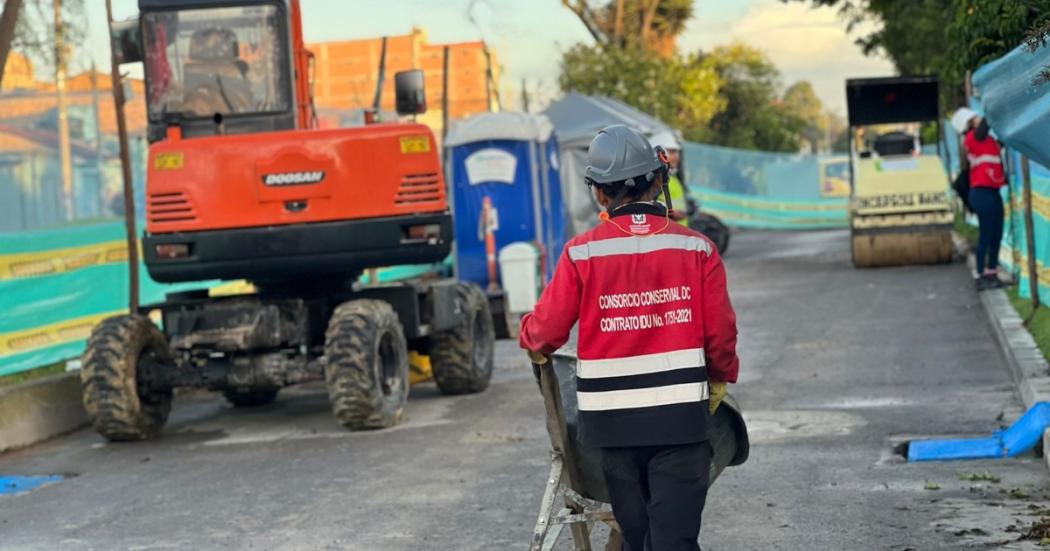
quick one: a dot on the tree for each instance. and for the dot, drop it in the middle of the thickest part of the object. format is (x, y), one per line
(634, 59)
(651, 24)
(679, 91)
(1038, 38)
(980, 31)
(803, 101)
(35, 34)
(914, 37)
(8, 25)
(754, 117)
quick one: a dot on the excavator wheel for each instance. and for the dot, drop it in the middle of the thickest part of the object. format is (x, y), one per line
(366, 365)
(901, 248)
(462, 357)
(117, 405)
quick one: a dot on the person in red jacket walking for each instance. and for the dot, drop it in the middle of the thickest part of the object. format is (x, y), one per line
(983, 160)
(657, 343)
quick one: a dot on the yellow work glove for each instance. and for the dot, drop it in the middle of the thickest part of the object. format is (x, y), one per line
(537, 358)
(717, 392)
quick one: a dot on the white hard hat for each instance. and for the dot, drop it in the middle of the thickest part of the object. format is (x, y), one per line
(666, 140)
(961, 119)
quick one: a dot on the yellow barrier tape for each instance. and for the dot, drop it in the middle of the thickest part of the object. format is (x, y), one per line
(731, 215)
(56, 261)
(769, 204)
(1041, 269)
(61, 332)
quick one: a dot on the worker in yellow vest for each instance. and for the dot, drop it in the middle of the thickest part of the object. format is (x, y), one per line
(679, 199)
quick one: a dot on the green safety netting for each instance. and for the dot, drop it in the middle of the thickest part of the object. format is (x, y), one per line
(756, 189)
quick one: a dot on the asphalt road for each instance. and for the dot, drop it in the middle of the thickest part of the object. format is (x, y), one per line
(839, 366)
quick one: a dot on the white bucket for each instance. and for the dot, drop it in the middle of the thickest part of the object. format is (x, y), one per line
(519, 266)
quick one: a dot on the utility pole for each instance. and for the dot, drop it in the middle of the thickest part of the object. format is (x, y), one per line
(491, 86)
(65, 154)
(524, 95)
(444, 96)
(1029, 235)
(125, 165)
(98, 140)
(377, 98)
(8, 22)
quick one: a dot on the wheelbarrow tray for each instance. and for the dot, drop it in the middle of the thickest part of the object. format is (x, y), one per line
(727, 431)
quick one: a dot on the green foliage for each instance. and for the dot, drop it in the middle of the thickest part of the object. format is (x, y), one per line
(803, 101)
(753, 117)
(982, 30)
(678, 90)
(729, 96)
(1038, 325)
(910, 33)
(945, 37)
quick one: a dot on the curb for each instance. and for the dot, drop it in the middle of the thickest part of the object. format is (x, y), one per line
(1028, 368)
(35, 411)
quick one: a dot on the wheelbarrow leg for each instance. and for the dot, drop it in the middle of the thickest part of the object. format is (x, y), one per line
(581, 535)
(615, 542)
(550, 493)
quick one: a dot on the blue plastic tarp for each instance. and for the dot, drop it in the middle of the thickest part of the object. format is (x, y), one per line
(1016, 107)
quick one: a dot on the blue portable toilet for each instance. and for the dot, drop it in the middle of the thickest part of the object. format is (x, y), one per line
(511, 159)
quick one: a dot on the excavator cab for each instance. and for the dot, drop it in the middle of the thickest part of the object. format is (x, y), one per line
(218, 70)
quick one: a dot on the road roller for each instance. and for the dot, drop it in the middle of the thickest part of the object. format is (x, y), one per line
(900, 207)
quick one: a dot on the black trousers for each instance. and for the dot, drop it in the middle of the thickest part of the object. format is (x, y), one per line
(658, 494)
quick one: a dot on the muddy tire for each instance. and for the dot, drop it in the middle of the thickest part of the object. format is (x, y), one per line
(366, 365)
(250, 398)
(116, 404)
(462, 357)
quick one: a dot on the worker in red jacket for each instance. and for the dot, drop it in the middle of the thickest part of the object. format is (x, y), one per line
(983, 160)
(657, 343)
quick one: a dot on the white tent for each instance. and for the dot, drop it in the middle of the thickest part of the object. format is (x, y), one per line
(577, 119)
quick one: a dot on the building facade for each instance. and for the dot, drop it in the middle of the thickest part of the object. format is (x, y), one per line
(346, 74)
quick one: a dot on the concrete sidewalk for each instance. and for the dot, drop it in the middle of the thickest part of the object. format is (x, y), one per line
(35, 411)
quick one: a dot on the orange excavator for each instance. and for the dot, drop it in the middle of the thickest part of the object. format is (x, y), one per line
(242, 184)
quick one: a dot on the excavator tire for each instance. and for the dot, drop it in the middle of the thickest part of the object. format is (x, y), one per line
(902, 248)
(366, 365)
(250, 398)
(462, 357)
(116, 403)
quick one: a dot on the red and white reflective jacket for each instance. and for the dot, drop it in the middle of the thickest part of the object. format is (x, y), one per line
(986, 164)
(655, 321)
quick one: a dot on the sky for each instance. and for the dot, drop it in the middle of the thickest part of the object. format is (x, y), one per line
(529, 35)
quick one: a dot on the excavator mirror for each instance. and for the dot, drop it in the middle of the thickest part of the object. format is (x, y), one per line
(409, 91)
(126, 41)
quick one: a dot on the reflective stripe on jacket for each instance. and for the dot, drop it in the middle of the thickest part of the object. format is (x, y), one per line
(654, 321)
(986, 165)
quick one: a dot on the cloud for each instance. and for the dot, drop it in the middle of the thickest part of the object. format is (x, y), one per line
(805, 43)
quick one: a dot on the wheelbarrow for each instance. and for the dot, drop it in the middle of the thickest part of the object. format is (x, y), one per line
(576, 472)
